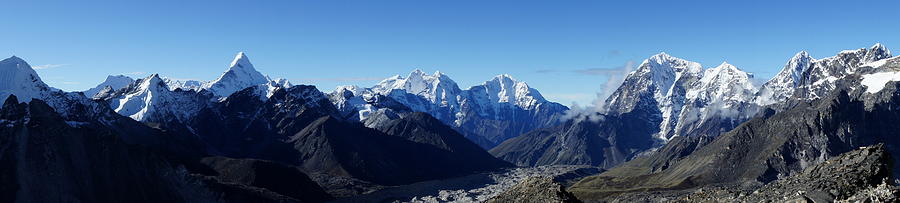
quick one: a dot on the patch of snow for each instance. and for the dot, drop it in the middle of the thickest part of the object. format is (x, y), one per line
(876, 81)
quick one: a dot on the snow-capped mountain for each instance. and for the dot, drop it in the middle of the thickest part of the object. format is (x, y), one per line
(661, 82)
(18, 78)
(488, 114)
(111, 84)
(152, 99)
(806, 78)
(781, 87)
(718, 102)
(184, 84)
(240, 74)
(149, 99)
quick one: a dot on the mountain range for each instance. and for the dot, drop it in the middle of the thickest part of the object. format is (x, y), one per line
(672, 125)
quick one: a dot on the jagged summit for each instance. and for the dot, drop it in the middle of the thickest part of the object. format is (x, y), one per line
(435, 87)
(240, 61)
(112, 82)
(241, 74)
(504, 88)
(18, 78)
(876, 52)
(659, 81)
(780, 87)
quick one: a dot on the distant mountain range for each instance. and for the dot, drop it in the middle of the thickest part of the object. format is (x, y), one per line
(672, 124)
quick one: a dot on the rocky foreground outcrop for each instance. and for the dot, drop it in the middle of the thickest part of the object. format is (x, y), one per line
(536, 189)
(862, 175)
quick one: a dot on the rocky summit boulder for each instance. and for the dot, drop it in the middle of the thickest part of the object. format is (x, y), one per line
(536, 189)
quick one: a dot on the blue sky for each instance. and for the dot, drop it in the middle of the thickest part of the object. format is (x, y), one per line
(552, 45)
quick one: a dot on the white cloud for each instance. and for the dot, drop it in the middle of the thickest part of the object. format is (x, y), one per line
(594, 112)
(137, 73)
(48, 66)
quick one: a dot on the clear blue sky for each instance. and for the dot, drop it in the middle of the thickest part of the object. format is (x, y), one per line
(329, 43)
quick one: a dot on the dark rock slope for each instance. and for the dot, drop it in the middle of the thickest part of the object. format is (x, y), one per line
(44, 157)
(284, 180)
(299, 126)
(862, 175)
(423, 128)
(606, 143)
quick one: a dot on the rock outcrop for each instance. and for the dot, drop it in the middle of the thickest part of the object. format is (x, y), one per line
(537, 190)
(863, 175)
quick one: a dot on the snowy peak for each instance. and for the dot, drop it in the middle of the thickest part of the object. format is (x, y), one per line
(141, 98)
(18, 78)
(875, 53)
(112, 83)
(663, 70)
(724, 83)
(505, 89)
(661, 76)
(795, 68)
(241, 61)
(781, 87)
(665, 63)
(184, 84)
(436, 87)
(241, 74)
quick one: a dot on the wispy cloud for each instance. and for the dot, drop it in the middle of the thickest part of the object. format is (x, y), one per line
(615, 77)
(137, 73)
(343, 79)
(608, 72)
(48, 66)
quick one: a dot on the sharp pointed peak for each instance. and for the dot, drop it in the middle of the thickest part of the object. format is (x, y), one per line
(801, 56)
(880, 48)
(725, 64)
(240, 61)
(154, 76)
(14, 59)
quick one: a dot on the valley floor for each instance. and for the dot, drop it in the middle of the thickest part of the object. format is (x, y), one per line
(473, 188)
